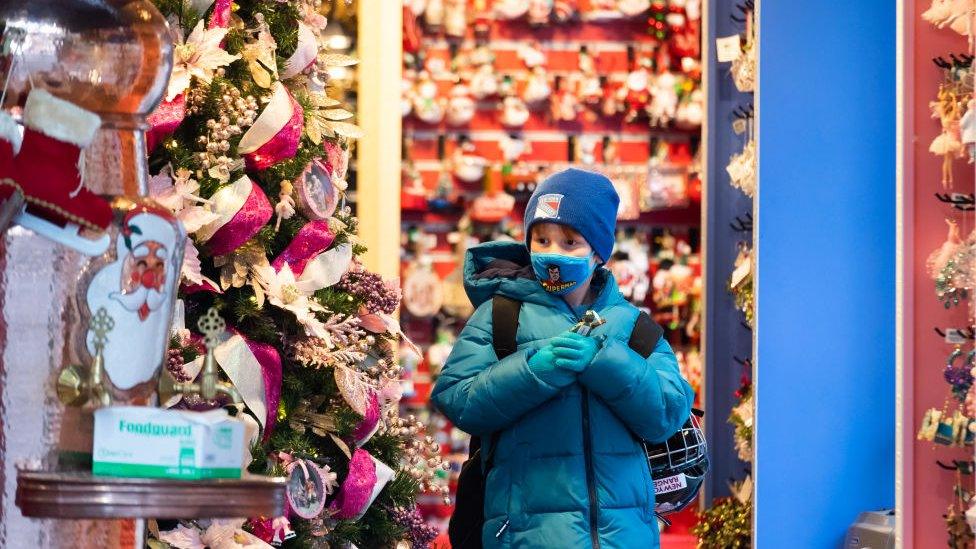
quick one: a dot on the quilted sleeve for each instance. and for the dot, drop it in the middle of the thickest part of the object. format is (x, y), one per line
(481, 394)
(650, 395)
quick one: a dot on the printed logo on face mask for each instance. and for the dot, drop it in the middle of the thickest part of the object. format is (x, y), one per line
(548, 206)
(555, 283)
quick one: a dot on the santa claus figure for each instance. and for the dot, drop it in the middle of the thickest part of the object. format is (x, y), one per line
(137, 288)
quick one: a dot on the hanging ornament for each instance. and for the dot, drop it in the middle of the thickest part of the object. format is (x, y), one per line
(412, 33)
(434, 15)
(691, 112)
(494, 204)
(511, 9)
(422, 291)
(468, 166)
(427, 105)
(483, 19)
(564, 105)
(537, 88)
(317, 196)
(455, 18)
(633, 8)
(539, 12)
(48, 169)
(514, 112)
(635, 94)
(461, 106)
(306, 489)
(664, 100)
(484, 82)
(531, 54)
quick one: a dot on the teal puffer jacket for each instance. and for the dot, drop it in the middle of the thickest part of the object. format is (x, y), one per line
(569, 471)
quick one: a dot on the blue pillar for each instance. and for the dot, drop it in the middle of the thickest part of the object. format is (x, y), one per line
(826, 269)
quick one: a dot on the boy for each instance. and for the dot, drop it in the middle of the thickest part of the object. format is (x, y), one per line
(568, 470)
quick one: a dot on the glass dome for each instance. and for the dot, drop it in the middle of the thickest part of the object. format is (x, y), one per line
(112, 57)
(108, 56)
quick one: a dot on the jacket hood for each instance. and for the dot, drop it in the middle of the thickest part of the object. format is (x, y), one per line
(505, 268)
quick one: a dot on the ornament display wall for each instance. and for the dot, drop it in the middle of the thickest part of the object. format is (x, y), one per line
(471, 159)
(926, 488)
(728, 221)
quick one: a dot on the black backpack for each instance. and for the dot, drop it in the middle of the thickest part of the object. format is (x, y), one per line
(468, 519)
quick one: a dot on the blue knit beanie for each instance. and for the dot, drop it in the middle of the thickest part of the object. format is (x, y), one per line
(585, 201)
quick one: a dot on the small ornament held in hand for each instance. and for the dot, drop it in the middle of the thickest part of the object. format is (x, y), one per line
(590, 321)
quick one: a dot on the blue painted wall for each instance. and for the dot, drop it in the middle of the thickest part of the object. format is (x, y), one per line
(826, 370)
(727, 337)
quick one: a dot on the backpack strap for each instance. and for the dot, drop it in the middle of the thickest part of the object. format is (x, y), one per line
(504, 326)
(645, 335)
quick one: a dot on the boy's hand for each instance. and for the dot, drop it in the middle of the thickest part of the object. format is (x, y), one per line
(573, 351)
(544, 365)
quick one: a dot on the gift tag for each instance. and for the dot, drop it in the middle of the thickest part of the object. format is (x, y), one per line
(740, 126)
(728, 48)
(954, 336)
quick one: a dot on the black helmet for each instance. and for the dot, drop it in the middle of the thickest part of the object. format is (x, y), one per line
(678, 466)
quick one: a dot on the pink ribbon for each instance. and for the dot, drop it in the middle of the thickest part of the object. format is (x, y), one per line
(164, 120)
(357, 488)
(367, 426)
(267, 356)
(283, 145)
(312, 239)
(221, 15)
(246, 223)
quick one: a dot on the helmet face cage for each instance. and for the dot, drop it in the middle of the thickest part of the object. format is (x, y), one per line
(684, 449)
(685, 454)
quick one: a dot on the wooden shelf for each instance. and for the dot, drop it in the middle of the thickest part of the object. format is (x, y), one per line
(80, 495)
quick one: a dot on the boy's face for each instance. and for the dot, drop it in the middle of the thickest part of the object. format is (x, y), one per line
(553, 238)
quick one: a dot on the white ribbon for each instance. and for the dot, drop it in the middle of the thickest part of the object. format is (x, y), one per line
(226, 203)
(244, 371)
(326, 268)
(304, 54)
(271, 121)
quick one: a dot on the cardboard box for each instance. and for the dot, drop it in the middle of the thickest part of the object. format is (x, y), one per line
(138, 441)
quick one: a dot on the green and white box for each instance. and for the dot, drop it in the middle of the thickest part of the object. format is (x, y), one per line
(139, 441)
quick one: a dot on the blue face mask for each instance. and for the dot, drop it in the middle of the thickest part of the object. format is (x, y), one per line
(560, 274)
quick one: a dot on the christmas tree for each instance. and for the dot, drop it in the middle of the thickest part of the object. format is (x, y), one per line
(251, 153)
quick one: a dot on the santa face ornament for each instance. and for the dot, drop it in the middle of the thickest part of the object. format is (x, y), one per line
(135, 282)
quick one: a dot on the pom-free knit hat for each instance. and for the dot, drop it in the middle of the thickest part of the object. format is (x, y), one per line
(585, 201)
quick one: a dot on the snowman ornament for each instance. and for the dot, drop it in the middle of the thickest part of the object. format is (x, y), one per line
(461, 106)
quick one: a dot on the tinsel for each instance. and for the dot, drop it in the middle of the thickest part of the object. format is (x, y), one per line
(727, 524)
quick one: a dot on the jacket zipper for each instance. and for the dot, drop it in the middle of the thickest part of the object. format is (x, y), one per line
(590, 476)
(587, 454)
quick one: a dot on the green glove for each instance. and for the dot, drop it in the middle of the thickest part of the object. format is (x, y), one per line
(544, 365)
(573, 351)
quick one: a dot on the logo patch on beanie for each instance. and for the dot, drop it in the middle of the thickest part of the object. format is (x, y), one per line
(548, 206)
